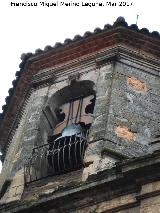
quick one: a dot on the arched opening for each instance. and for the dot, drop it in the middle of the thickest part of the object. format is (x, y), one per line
(74, 92)
(74, 114)
(69, 113)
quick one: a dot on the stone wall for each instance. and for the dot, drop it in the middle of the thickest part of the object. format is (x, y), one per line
(130, 203)
(133, 118)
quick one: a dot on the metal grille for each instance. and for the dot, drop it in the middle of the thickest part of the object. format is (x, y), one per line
(62, 155)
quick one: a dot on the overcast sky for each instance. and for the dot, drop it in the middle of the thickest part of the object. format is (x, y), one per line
(24, 29)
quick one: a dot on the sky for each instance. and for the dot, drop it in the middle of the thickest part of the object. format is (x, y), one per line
(26, 28)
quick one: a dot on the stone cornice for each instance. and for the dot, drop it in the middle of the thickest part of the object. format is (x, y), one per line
(114, 182)
(116, 53)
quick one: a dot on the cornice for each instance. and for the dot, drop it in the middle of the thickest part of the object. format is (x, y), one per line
(116, 182)
(95, 61)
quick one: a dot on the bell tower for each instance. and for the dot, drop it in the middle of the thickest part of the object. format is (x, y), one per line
(80, 129)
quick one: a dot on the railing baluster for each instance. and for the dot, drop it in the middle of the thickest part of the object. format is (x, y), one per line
(44, 157)
(64, 152)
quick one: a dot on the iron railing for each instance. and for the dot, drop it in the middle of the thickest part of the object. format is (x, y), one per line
(59, 156)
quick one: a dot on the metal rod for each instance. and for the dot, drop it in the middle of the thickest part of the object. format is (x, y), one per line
(75, 148)
(70, 150)
(58, 150)
(63, 152)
